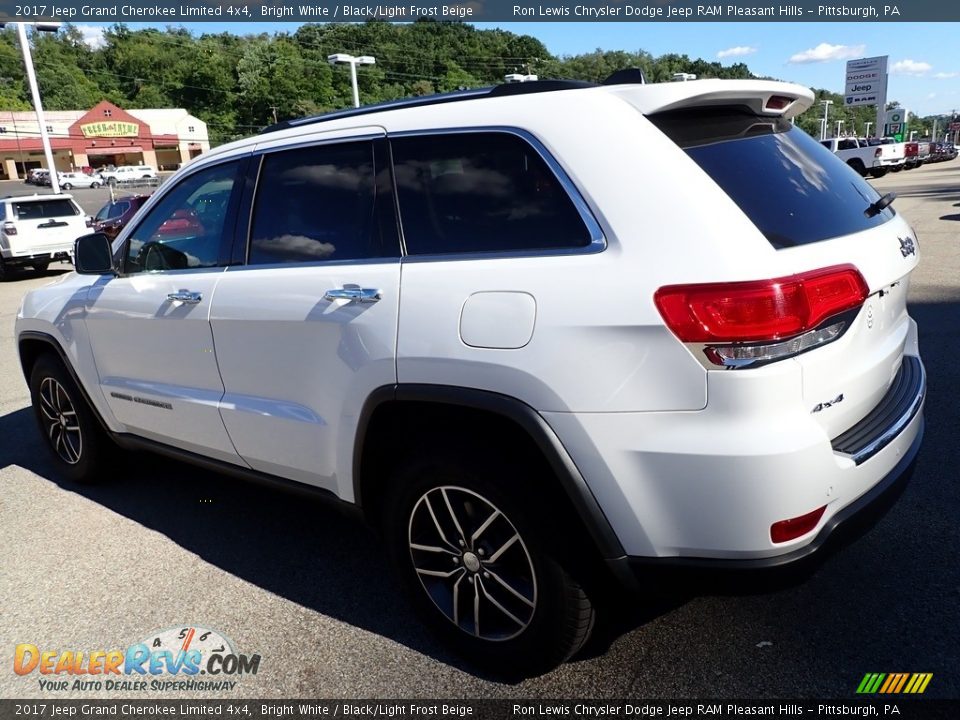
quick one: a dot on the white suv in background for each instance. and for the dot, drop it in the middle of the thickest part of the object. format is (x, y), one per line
(38, 229)
(527, 332)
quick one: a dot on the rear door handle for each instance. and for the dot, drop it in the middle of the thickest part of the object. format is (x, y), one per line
(185, 296)
(353, 293)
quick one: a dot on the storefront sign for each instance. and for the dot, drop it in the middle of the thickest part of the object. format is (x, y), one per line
(110, 128)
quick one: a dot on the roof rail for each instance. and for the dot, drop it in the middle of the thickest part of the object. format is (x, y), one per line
(503, 90)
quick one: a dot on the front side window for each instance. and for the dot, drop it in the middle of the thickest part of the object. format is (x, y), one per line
(317, 204)
(481, 192)
(188, 227)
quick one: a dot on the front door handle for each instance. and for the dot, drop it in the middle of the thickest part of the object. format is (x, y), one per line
(353, 293)
(185, 296)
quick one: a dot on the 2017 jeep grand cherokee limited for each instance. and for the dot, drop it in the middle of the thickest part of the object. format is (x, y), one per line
(527, 331)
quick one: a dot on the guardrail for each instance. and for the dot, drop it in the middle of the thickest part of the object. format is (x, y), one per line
(151, 182)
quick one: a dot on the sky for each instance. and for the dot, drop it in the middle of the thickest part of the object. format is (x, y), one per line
(924, 59)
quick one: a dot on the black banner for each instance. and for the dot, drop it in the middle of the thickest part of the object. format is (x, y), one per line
(112, 11)
(892, 706)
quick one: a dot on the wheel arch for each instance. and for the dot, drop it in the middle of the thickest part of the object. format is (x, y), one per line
(387, 420)
(31, 344)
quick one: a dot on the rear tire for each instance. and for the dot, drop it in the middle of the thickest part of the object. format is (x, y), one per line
(67, 186)
(475, 551)
(858, 166)
(71, 432)
(94, 185)
(878, 172)
(5, 271)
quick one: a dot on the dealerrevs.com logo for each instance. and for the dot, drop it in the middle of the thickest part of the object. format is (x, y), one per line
(183, 658)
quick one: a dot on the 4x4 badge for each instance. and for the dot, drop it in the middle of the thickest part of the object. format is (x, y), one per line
(907, 247)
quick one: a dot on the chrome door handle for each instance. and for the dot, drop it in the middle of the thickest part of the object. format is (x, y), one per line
(185, 296)
(363, 295)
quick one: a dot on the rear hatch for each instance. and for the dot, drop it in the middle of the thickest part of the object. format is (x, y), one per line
(816, 214)
(46, 223)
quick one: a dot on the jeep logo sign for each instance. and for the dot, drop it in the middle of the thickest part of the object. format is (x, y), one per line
(866, 82)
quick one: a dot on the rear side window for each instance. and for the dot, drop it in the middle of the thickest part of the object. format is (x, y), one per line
(38, 210)
(794, 190)
(316, 204)
(481, 192)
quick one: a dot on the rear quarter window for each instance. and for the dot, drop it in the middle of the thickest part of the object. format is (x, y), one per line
(481, 192)
(792, 188)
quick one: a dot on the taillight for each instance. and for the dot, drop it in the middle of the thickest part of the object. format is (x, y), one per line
(9, 228)
(744, 323)
(781, 532)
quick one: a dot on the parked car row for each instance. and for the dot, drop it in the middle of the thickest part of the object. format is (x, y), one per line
(941, 151)
(877, 156)
(110, 175)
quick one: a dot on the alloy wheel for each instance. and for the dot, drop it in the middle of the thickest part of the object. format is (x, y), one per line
(60, 421)
(472, 563)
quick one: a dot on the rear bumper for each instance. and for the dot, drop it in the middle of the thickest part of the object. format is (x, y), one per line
(705, 487)
(860, 514)
(26, 257)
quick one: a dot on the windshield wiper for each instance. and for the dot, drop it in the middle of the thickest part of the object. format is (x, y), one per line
(878, 207)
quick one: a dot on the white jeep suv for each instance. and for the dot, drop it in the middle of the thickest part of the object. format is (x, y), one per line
(526, 331)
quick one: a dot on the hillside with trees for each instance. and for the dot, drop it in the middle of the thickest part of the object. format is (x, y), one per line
(240, 84)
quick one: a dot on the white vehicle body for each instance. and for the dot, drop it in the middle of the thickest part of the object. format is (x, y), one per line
(71, 180)
(675, 451)
(128, 172)
(866, 158)
(34, 229)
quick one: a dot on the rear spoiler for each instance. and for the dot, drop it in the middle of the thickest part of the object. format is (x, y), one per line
(763, 97)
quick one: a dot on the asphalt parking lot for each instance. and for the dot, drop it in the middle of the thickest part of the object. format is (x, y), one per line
(165, 545)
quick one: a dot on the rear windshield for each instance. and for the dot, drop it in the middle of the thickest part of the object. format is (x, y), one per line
(40, 209)
(793, 189)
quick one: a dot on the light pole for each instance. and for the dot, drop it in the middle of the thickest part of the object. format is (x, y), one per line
(867, 133)
(823, 123)
(35, 92)
(840, 124)
(352, 61)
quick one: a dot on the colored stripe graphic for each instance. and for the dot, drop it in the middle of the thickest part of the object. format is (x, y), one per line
(894, 683)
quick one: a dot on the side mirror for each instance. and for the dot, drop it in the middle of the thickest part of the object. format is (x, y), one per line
(92, 254)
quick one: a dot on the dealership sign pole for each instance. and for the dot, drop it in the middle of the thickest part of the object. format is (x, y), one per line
(866, 84)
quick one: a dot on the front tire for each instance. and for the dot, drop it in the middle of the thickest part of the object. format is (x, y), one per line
(94, 185)
(71, 432)
(474, 553)
(67, 186)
